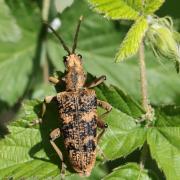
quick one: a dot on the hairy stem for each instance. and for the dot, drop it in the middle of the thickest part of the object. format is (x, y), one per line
(149, 113)
(143, 79)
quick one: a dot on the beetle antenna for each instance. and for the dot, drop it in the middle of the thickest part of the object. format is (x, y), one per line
(59, 38)
(76, 34)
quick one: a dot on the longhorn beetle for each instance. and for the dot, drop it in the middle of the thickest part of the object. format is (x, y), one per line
(77, 107)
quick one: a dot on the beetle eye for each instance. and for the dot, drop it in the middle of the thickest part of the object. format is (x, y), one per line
(80, 56)
(64, 59)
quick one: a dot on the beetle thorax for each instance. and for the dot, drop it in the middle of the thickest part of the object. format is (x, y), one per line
(75, 77)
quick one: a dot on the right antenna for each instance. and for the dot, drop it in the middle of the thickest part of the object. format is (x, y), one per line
(76, 34)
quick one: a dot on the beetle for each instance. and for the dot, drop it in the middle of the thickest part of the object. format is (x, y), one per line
(77, 108)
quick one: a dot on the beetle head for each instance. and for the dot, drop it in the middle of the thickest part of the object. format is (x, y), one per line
(75, 76)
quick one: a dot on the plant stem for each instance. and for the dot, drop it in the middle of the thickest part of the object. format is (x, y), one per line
(143, 79)
(45, 10)
(145, 102)
(45, 66)
(149, 112)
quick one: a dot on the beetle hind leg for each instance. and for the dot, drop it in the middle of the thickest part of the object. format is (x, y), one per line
(102, 125)
(54, 135)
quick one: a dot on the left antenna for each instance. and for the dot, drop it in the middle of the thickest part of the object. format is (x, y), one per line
(59, 38)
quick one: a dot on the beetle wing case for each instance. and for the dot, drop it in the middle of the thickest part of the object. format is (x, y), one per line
(78, 110)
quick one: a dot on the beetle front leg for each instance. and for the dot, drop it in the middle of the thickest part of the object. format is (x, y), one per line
(54, 135)
(47, 100)
(96, 82)
(54, 80)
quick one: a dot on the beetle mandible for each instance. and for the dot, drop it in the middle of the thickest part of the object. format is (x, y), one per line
(77, 107)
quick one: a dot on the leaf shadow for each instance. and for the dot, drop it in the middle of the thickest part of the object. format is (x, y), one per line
(49, 123)
(7, 115)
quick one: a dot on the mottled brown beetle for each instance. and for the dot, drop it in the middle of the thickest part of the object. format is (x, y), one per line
(77, 107)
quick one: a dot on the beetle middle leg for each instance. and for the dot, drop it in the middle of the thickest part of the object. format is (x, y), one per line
(105, 106)
(47, 100)
(96, 82)
(54, 135)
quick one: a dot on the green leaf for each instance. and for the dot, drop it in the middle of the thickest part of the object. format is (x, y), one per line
(164, 140)
(152, 5)
(9, 30)
(120, 100)
(15, 159)
(123, 135)
(130, 44)
(137, 5)
(168, 116)
(130, 171)
(16, 59)
(165, 149)
(117, 9)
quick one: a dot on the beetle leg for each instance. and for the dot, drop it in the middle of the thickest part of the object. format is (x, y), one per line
(54, 80)
(105, 106)
(102, 125)
(54, 135)
(96, 82)
(47, 100)
(101, 153)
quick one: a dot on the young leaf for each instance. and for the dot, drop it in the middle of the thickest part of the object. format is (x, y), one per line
(152, 5)
(117, 9)
(130, 171)
(137, 5)
(9, 30)
(130, 44)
